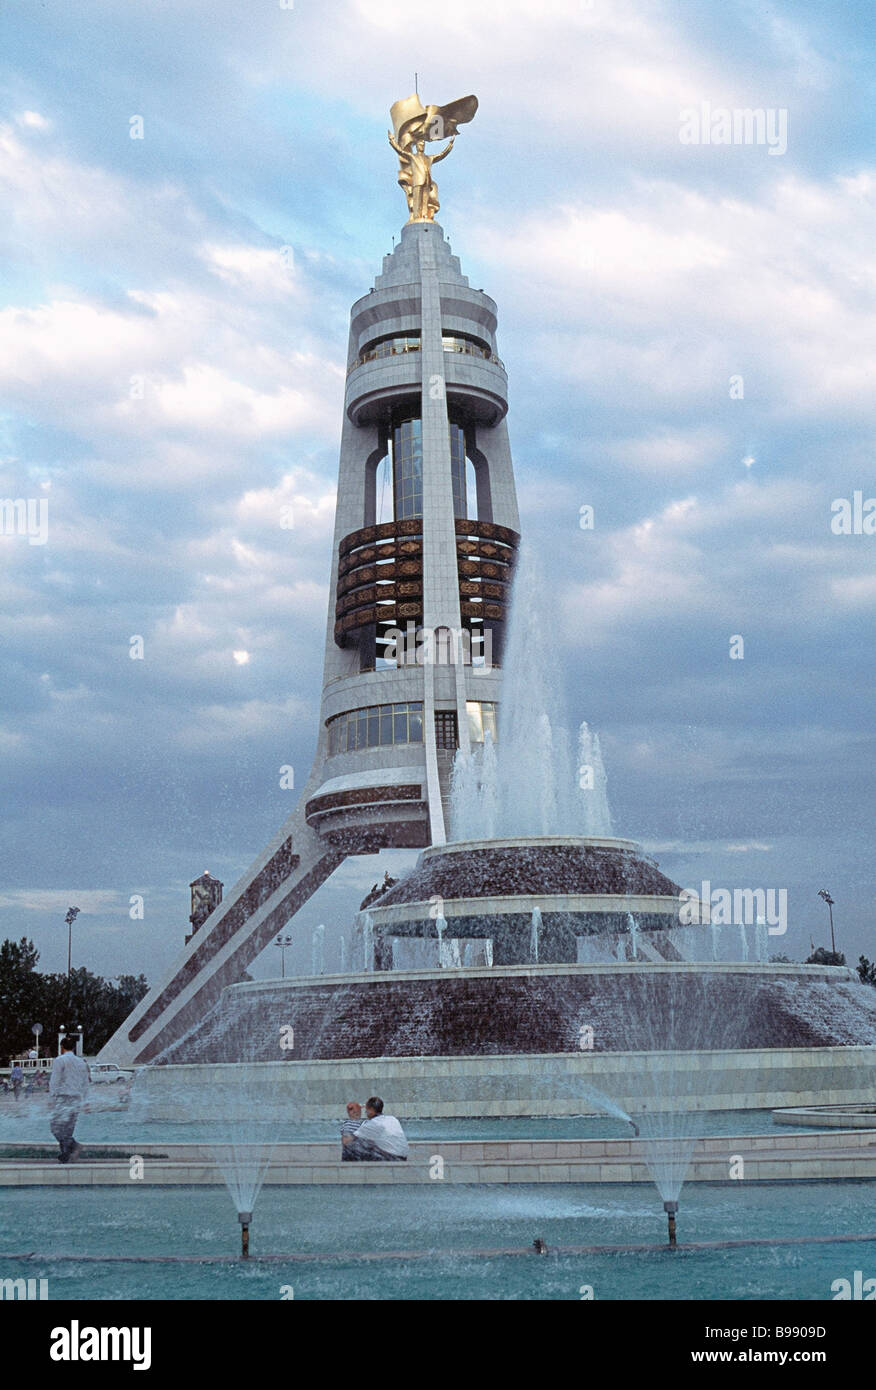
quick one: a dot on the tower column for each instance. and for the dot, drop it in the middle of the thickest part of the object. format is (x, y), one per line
(423, 375)
(440, 576)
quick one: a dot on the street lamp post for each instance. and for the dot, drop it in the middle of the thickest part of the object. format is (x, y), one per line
(283, 942)
(72, 914)
(823, 893)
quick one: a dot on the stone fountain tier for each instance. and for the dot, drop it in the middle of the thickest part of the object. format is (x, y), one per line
(541, 1010)
(489, 889)
(640, 1023)
(534, 865)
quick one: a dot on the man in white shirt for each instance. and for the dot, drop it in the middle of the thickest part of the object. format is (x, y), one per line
(68, 1086)
(380, 1139)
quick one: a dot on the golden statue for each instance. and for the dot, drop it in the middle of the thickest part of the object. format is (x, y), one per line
(414, 124)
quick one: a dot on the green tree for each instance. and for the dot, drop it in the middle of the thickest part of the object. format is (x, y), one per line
(20, 995)
(821, 956)
(867, 970)
(28, 997)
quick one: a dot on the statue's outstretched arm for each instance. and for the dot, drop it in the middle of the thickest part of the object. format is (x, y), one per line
(444, 153)
(398, 149)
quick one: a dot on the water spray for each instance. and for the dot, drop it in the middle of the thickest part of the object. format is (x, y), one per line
(671, 1208)
(244, 1217)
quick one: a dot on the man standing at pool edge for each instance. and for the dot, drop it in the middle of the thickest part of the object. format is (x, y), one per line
(68, 1086)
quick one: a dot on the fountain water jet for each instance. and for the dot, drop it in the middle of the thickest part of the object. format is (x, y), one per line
(634, 934)
(534, 935)
(317, 951)
(368, 941)
(529, 783)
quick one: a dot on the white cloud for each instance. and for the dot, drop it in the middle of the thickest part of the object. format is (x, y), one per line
(675, 291)
(265, 270)
(855, 591)
(215, 726)
(57, 900)
(695, 558)
(33, 120)
(670, 452)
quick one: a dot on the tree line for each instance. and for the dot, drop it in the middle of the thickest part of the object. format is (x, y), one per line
(27, 997)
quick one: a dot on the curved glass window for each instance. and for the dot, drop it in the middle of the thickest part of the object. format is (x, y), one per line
(407, 469)
(457, 469)
(375, 726)
(452, 342)
(395, 347)
(390, 347)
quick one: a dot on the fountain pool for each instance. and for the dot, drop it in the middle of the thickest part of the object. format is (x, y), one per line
(441, 1224)
(133, 1125)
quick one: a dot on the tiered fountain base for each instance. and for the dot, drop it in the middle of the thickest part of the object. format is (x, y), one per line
(591, 990)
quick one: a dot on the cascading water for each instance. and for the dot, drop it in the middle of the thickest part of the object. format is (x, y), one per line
(368, 941)
(447, 957)
(530, 782)
(634, 934)
(317, 951)
(534, 934)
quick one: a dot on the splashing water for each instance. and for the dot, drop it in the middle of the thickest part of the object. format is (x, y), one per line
(533, 781)
(593, 1098)
(634, 934)
(244, 1165)
(368, 941)
(534, 934)
(317, 951)
(448, 951)
(238, 1102)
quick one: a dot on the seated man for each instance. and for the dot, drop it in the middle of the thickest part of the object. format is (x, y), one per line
(350, 1125)
(380, 1139)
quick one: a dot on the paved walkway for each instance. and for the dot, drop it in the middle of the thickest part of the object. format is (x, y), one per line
(782, 1157)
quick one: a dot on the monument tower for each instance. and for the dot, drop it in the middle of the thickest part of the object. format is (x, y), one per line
(426, 530)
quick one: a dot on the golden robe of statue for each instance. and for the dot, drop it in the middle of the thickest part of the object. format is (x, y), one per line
(413, 125)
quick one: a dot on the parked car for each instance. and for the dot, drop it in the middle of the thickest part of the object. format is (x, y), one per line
(108, 1071)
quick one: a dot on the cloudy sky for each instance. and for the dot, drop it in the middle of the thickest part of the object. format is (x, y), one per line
(172, 365)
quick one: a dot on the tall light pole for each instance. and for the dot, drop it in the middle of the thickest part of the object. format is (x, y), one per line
(283, 942)
(823, 893)
(72, 914)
